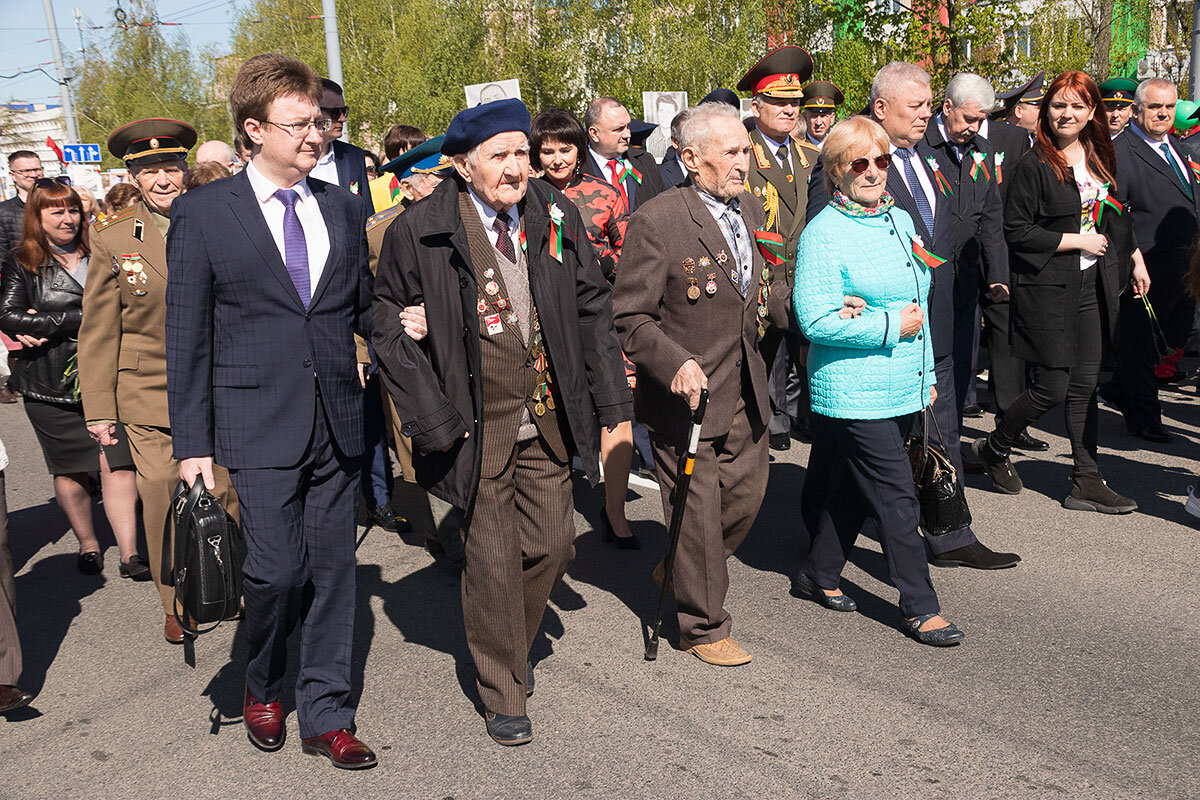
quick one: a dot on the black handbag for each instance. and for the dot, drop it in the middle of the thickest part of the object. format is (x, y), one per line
(203, 563)
(943, 503)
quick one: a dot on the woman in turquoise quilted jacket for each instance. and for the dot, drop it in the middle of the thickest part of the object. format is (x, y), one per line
(871, 372)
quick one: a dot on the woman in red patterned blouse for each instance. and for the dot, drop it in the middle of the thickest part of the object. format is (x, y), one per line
(558, 145)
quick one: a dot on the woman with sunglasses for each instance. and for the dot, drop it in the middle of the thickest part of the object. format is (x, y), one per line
(1071, 243)
(558, 145)
(41, 306)
(871, 375)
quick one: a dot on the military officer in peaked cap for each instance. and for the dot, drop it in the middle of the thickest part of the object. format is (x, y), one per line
(1117, 94)
(1022, 105)
(780, 167)
(820, 101)
(122, 341)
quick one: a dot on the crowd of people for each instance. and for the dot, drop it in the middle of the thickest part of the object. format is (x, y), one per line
(527, 292)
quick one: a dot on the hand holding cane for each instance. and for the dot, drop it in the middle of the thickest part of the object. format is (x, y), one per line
(686, 463)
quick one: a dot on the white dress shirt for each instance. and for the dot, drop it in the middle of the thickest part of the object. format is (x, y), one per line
(487, 215)
(326, 169)
(1156, 146)
(941, 123)
(774, 147)
(316, 235)
(602, 164)
(922, 176)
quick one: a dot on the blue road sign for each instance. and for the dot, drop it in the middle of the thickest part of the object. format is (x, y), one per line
(81, 153)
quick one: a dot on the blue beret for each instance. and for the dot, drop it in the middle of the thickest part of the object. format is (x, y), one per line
(478, 124)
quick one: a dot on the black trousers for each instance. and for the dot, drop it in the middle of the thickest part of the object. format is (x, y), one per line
(1073, 386)
(859, 470)
(1134, 386)
(947, 411)
(1006, 373)
(787, 379)
(299, 524)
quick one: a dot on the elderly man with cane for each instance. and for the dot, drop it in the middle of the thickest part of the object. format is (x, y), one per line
(690, 317)
(517, 364)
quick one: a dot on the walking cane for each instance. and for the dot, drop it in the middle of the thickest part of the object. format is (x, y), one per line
(686, 463)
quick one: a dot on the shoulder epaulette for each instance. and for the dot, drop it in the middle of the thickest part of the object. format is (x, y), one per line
(113, 219)
(808, 144)
(384, 216)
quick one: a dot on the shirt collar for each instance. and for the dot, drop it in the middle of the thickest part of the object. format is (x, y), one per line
(488, 215)
(774, 144)
(1156, 143)
(327, 158)
(717, 207)
(983, 129)
(264, 188)
(601, 161)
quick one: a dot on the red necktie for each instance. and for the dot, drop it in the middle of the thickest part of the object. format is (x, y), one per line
(620, 184)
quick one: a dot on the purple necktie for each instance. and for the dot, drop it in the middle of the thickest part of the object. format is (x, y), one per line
(295, 247)
(503, 240)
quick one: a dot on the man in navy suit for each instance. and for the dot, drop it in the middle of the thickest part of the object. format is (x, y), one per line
(268, 285)
(1157, 181)
(902, 102)
(635, 175)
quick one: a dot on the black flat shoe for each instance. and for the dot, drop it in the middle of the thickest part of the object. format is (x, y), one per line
(942, 637)
(780, 441)
(805, 586)
(973, 410)
(1154, 433)
(976, 555)
(609, 535)
(1029, 444)
(384, 517)
(508, 731)
(136, 568)
(90, 563)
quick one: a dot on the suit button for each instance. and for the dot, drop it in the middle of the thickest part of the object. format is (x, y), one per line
(462, 282)
(914, 299)
(891, 233)
(920, 372)
(737, 363)
(306, 362)
(920, 337)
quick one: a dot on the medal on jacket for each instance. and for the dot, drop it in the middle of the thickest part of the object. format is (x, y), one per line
(710, 288)
(689, 270)
(494, 326)
(135, 273)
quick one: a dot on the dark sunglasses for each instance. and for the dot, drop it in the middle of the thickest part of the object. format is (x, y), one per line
(46, 183)
(859, 165)
(336, 111)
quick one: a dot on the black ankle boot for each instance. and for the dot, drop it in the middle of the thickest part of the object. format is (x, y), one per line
(1089, 492)
(997, 467)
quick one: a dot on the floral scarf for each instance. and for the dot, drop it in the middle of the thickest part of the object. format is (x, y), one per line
(853, 209)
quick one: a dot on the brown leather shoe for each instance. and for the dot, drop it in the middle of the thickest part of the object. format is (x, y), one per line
(264, 723)
(340, 747)
(13, 697)
(171, 630)
(7, 395)
(725, 653)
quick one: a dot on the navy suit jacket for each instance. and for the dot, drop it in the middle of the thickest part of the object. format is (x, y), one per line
(351, 166)
(1164, 217)
(941, 243)
(638, 193)
(669, 170)
(242, 350)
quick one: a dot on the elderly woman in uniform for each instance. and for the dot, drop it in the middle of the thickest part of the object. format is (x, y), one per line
(871, 373)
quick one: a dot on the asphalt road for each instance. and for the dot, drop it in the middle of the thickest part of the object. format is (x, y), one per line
(1078, 677)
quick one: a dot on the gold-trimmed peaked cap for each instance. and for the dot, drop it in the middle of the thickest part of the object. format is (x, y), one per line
(151, 140)
(822, 94)
(781, 73)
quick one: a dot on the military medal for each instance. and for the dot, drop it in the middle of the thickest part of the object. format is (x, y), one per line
(501, 302)
(704, 262)
(492, 322)
(482, 306)
(722, 257)
(693, 291)
(492, 287)
(710, 288)
(135, 273)
(550, 402)
(689, 264)
(512, 319)
(540, 408)
(489, 273)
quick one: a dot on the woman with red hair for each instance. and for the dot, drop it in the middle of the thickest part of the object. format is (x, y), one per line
(1072, 246)
(41, 306)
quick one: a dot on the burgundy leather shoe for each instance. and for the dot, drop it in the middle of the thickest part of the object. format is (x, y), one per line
(13, 697)
(340, 747)
(264, 723)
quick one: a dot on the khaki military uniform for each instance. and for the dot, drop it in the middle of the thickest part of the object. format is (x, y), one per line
(377, 226)
(783, 194)
(123, 364)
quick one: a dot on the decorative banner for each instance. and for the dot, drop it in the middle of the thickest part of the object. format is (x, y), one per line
(771, 247)
(999, 161)
(924, 256)
(979, 166)
(942, 184)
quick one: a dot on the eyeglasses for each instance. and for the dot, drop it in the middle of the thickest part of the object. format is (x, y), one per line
(372, 172)
(28, 172)
(300, 129)
(46, 183)
(336, 111)
(859, 165)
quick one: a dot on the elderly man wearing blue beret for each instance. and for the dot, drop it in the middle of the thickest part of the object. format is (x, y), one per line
(515, 369)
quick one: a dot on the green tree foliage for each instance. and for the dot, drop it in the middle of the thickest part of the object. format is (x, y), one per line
(139, 72)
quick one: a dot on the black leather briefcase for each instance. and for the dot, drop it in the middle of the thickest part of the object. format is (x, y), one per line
(203, 563)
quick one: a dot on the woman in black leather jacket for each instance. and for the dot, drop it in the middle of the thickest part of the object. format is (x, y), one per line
(41, 306)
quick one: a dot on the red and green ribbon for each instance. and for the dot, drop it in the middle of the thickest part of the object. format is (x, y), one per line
(979, 166)
(521, 239)
(771, 247)
(628, 169)
(942, 184)
(1099, 206)
(556, 235)
(1195, 167)
(925, 257)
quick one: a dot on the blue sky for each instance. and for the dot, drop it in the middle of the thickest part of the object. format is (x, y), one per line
(24, 39)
